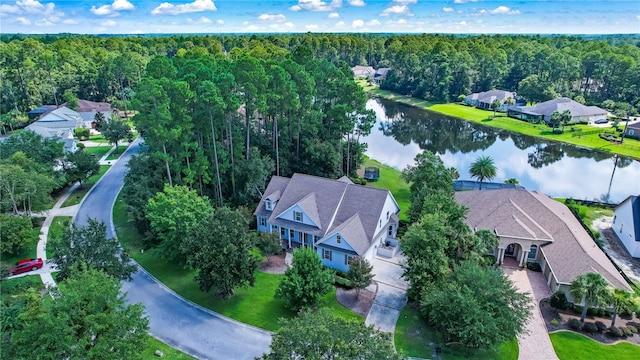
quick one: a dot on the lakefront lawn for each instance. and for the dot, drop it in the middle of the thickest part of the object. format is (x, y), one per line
(630, 147)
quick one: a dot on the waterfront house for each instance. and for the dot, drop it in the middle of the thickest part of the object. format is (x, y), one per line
(338, 219)
(483, 100)
(543, 111)
(531, 227)
(626, 224)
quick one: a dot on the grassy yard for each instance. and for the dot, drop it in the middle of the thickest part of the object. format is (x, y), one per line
(569, 345)
(631, 147)
(391, 180)
(97, 151)
(80, 192)
(98, 139)
(117, 152)
(168, 352)
(254, 305)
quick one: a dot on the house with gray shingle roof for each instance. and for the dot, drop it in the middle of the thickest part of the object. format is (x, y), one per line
(484, 99)
(338, 219)
(626, 224)
(531, 227)
(58, 123)
(544, 110)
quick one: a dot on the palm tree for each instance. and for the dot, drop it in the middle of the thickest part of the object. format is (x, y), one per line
(622, 301)
(565, 118)
(592, 288)
(495, 104)
(483, 169)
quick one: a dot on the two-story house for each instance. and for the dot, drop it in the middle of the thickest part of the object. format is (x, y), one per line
(338, 219)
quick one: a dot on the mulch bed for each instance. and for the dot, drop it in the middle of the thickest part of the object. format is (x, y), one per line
(563, 316)
(346, 297)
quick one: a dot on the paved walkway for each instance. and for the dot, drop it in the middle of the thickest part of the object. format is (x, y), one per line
(391, 296)
(535, 345)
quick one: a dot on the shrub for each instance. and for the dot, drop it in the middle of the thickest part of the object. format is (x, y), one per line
(555, 322)
(625, 330)
(615, 332)
(534, 267)
(601, 326)
(559, 300)
(340, 281)
(575, 324)
(633, 329)
(80, 146)
(590, 327)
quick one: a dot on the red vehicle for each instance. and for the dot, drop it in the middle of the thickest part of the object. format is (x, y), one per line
(26, 265)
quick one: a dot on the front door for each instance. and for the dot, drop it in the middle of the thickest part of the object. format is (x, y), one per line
(510, 250)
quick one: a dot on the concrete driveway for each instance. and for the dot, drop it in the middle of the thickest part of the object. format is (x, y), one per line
(172, 319)
(391, 296)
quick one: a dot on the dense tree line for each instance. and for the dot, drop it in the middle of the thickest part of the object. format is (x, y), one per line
(41, 69)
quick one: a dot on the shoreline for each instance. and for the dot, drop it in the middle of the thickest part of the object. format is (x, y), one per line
(501, 121)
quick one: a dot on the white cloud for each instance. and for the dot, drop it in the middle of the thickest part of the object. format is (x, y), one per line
(463, 1)
(357, 23)
(334, 15)
(356, 3)
(500, 10)
(28, 7)
(340, 24)
(462, 23)
(23, 21)
(205, 20)
(312, 27)
(113, 9)
(253, 28)
(316, 5)
(220, 22)
(282, 26)
(70, 22)
(373, 22)
(272, 17)
(44, 22)
(406, 2)
(397, 10)
(196, 6)
(108, 23)
(447, 9)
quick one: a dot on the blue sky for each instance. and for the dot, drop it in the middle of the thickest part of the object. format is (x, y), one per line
(245, 16)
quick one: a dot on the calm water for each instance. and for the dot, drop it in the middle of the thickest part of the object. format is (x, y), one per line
(557, 170)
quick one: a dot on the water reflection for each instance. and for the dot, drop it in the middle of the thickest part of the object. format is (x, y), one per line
(553, 168)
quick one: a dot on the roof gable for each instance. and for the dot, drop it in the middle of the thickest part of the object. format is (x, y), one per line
(352, 232)
(572, 252)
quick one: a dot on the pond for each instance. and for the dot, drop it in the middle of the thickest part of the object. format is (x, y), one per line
(555, 169)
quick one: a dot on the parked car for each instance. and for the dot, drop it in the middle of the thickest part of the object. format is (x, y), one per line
(601, 121)
(26, 265)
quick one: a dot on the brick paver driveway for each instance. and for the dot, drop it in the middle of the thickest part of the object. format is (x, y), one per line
(535, 345)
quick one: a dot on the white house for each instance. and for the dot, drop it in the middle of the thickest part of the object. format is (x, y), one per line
(338, 219)
(626, 224)
(59, 123)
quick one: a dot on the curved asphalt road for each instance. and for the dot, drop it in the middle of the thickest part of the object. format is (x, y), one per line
(172, 319)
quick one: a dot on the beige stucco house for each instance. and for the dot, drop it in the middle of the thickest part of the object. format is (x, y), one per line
(531, 227)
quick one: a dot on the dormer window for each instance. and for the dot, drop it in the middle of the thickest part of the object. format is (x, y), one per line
(268, 204)
(387, 215)
(297, 216)
(338, 239)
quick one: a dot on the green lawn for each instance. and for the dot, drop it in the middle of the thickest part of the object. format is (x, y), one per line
(98, 139)
(117, 152)
(16, 286)
(391, 180)
(97, 151)
(631, 147)
(80, 192)
(414, 337)
(168, 352)
(253, 305)
(569, 345)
